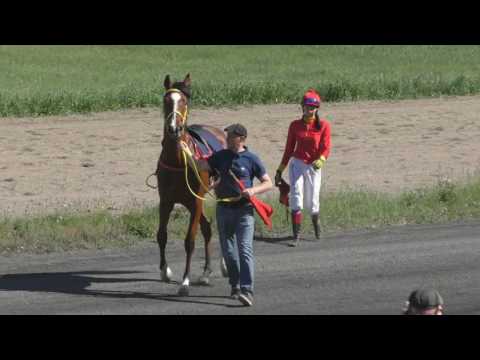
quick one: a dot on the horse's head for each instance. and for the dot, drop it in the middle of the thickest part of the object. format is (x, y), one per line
(175, 106)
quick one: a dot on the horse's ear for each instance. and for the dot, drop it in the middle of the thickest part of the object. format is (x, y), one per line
(167, 83)
(187, 81)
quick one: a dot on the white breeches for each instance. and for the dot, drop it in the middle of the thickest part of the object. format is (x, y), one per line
(305, 183)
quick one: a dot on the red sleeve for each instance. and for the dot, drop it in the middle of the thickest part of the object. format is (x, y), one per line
(290, 145)
(325, 141)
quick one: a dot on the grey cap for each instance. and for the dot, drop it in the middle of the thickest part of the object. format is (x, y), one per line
(237, 129)
(425, 299)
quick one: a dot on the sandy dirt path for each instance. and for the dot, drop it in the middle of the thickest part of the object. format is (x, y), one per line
(101, 160)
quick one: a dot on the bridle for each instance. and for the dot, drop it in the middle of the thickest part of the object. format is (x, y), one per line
(183, 117)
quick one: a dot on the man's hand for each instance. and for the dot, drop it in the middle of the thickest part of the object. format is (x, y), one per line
(247, 193)
(318, 164)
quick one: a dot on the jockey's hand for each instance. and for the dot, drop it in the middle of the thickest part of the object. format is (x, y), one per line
(278, 174)
(247, 193)
(278, 178)
(318, 164)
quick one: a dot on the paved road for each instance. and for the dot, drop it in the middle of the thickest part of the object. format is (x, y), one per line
(356, 273)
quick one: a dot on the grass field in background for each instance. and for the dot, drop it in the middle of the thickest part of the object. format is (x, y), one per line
(47, 80)
(346, 210)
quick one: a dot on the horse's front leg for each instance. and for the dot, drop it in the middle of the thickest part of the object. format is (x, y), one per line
(165, 209)
(195, 215)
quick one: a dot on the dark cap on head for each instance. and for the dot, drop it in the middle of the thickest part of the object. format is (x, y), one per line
(425, 299)
(237, 129)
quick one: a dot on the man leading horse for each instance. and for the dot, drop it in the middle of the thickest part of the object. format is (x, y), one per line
(237, 167)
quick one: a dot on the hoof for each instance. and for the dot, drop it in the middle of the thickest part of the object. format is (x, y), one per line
(204, 280)
(183, 290)
(166, 274)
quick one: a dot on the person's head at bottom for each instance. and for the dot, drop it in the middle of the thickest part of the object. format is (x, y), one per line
(236, 137)
(424, 301)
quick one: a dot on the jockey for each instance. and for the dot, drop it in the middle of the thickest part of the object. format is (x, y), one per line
(308, 145)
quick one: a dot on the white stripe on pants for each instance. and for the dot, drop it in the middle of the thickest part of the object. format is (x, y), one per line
(305, 183)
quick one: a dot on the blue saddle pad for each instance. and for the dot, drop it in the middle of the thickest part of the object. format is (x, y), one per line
(205, 141)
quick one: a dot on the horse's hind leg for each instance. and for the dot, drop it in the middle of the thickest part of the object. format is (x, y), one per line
(206, 230)
(165, 209)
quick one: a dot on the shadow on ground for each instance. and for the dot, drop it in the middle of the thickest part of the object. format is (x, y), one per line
(280, 240)
(77, 283)
(272, 239)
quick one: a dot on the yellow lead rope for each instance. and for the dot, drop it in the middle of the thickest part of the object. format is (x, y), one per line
(185, 154)
(186, 178)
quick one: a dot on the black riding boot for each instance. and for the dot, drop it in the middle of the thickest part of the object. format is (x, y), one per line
(295, 231)
(316, 226)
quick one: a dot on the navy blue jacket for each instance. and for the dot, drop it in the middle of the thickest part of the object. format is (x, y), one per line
(245, 165)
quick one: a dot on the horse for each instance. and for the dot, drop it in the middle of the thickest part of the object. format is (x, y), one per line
(172, 185)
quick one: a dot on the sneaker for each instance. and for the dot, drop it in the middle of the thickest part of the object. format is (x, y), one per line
(246, 299)
(235, 293)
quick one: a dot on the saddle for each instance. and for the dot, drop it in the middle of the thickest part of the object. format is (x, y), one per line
(204, 142)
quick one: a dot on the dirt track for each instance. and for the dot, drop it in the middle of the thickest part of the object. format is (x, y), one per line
(102, 160)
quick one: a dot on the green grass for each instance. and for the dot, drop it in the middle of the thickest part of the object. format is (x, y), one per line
(73, 231)
(356, 209)
(345, 210)
(47, 80)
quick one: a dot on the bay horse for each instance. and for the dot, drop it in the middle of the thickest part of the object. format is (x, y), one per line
(172, 186)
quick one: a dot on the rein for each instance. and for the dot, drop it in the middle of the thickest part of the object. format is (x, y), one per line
(197, 174)
(171, 168)
(165, 166)
(207, 190)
